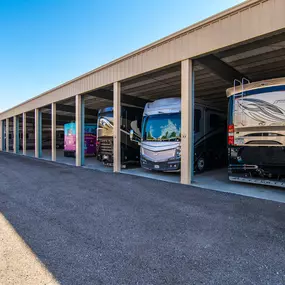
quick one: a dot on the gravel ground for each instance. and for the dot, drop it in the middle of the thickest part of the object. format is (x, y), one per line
(90, 227)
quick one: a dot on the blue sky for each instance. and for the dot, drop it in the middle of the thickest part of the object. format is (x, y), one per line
(44, 43)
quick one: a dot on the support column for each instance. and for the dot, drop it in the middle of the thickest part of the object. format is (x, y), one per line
(2, 140)
(7, 135)
(38, 133)
(16, 134)
(187, 122)
(79, 102)
(24, 133)
(53, 131)
(117, 126)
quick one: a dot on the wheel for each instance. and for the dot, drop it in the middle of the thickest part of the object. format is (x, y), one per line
(201, 164)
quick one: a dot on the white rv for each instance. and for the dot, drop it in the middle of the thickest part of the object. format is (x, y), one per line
(161, 136)
(256, 132)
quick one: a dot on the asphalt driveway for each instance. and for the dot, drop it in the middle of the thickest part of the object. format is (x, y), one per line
(91, 227)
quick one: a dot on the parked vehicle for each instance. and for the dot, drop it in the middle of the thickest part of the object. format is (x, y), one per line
(161, 136)
(130, 151)
(89, 139)
(256, 132)
(30, 138)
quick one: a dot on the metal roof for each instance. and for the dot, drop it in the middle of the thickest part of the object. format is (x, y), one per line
(248, 37)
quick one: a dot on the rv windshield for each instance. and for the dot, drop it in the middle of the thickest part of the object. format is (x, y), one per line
(162, 127)
(106, 114)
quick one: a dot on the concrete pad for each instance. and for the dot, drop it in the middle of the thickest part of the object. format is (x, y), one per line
(94, 163)
(163, 176)
(90, 162)
(18, 264)
(30, 152)
(46, 155)
(218, 180)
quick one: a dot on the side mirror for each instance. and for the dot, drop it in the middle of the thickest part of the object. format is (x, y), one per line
(131, 135)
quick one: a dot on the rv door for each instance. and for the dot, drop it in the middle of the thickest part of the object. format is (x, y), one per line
(198, 123)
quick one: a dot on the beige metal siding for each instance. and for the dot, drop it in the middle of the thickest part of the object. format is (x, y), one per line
(1, 135)
(246, 21)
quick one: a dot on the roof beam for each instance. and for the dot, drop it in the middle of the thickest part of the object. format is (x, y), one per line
(58, 117)
(32, 121)
(71, 109)
(126, 99)
(273, 40)
(212, 96)
(220, 68)
(60, 120)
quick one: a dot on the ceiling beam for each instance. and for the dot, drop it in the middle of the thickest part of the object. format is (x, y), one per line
(265, 42)
(170, 83)
(220, 68)
(266, 57)
(126, 99)
(71, 109)
(60, 120)
(144, 80)
(32, 121)
(213, 96)
(207, 92)
(58, 117)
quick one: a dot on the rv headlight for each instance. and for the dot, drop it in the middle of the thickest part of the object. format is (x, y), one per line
(102, 122)
(178, 152)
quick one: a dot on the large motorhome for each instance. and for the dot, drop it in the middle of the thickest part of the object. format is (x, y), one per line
(70, 139)
(161, 136)
(130, 118)
(256, 132)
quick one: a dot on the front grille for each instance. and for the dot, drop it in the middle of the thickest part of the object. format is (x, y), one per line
(159, 155)
(106, 147)
(160, 166)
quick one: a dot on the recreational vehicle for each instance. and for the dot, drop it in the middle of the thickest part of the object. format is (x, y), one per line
(130, 118)
(70, 139)
(161, 136)
(256, 132)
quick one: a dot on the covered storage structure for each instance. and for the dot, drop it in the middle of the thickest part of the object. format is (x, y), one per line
(198, 62)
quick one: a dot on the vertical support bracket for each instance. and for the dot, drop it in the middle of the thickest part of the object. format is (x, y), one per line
(38, 133)
(79, 102)
(2, 136)
(187, 122)
(16, 134)
(117, 126)
(53, 131)
(7, 134)
(24, 133)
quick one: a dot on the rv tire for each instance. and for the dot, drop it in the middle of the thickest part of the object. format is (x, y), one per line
(201, 164)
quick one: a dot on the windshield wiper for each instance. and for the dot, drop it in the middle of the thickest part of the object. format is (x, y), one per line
(164, 140)
(172, 139)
